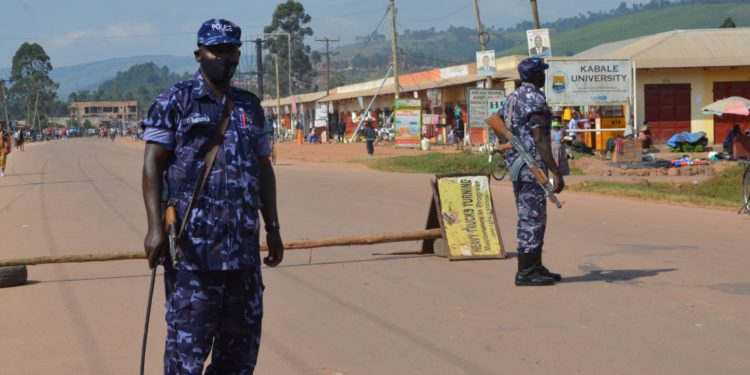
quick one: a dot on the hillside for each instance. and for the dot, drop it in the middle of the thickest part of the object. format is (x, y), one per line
(427, 48)
(89, 76)
(699, 16)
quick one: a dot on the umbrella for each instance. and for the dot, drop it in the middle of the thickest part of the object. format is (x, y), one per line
(734, 105)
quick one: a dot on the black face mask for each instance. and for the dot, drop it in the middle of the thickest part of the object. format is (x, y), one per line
(538, 80)
(219, 71)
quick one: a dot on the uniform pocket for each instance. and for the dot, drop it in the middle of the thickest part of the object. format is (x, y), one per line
(179, 310)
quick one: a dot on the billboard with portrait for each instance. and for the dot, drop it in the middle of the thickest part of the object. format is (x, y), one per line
(538, 41)
(486, 63)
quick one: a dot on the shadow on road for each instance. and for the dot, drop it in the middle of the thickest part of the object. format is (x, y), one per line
(614, 276)
(383, 259)
(92, 279)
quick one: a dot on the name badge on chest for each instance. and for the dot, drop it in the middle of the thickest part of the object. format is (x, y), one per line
(198, 118)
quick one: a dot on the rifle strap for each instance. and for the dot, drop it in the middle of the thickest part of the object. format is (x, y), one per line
(209, 159)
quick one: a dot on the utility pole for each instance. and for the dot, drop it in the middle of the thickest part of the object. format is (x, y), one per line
(535, 13)
(483, 39)
(328, 61)
(278, 94)
(35, 118)
(259, 65)
(289, 62)
(394, 49)
(288, 54)
(5, 104)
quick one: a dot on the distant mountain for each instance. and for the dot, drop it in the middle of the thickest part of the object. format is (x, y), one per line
(89, 76)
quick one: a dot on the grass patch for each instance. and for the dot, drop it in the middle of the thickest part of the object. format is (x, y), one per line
(578, 155)
(723, 190)
(433, 163)
(577, 172)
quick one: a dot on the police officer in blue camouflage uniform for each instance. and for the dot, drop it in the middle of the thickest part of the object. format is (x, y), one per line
(528, 117)
(214, 288)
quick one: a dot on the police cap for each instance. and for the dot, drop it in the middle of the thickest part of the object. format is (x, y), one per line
(219, 31)
(530, 68)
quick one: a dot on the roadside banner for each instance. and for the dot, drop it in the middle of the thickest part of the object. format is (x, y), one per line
(588, 82)
(462, 206)
(539, 45)
(408, 122)
(482, 103)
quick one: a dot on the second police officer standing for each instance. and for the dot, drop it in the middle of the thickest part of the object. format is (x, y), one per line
(214, 289)
(529, 118)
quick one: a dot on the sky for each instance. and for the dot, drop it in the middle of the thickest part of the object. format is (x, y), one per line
(80, 31)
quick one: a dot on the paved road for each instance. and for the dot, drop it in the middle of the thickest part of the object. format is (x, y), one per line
(649, 288)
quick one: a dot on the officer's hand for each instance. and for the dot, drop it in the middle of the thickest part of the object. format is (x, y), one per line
(155, 245)
(559, 183)
(275, 248)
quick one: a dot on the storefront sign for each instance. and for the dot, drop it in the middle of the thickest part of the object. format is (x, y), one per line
(321, 116)
(589, 82)
(408, 122)
(483, 103)
(436, 97)
(454, 72)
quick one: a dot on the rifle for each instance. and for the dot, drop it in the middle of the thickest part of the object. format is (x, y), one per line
(170, 226)
(498, 125)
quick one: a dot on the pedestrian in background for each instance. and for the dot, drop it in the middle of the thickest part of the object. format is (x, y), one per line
(341, 130)
(559, 153)
(5, 148)
(369, 134)
(459, 129)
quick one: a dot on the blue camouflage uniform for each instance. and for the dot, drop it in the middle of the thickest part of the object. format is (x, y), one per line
(530, 199)
(214, 288)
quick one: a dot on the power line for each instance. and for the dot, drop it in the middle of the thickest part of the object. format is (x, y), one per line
(328, 42)
(160, 35)
(438, 18)
(369, 37)
(350, 14)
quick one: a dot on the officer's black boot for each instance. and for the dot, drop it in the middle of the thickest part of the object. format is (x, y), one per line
(543, 270)
(528, 274)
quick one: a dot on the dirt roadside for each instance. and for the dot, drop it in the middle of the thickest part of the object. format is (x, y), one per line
(593, 168)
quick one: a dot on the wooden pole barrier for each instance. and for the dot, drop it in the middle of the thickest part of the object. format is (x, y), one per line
(291, 245)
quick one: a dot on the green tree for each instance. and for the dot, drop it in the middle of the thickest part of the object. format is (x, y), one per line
(57, 108)
(140, 82)
(290, 17)
(728, 23)
(33, 90)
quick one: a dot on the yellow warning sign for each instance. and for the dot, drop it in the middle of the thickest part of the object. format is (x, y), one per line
(468, 217)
